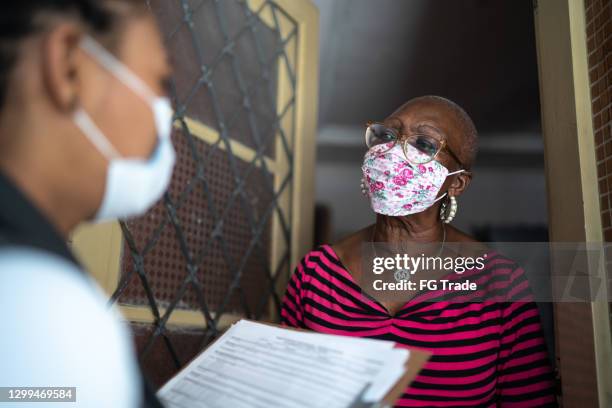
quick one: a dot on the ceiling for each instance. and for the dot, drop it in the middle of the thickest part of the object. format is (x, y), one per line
(376, 54)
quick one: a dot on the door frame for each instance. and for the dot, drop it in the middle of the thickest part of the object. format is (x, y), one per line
(583, 336)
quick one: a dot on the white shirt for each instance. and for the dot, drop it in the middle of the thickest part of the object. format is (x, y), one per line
(57, 330)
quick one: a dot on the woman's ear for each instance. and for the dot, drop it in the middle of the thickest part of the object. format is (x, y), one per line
(460, 183)
(60, 65)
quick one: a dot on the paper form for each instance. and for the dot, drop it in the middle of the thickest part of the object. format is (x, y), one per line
(257, 365)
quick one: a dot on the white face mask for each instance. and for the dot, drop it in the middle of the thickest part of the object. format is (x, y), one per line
(132, 184)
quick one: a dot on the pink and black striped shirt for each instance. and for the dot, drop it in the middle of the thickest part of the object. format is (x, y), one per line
(485, 354)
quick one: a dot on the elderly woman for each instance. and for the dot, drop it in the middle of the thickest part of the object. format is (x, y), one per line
(483, 353)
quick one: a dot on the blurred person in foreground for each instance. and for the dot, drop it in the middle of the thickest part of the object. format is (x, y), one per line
(485, 353)
(84, 135)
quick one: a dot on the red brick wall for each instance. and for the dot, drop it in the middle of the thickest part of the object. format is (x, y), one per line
(599, 48)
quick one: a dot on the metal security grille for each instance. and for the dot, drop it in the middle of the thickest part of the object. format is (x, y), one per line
(206, 246)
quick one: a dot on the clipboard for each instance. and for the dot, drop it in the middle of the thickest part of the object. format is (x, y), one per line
(413, 365)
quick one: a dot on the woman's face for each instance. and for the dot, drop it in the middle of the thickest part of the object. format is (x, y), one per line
(123, 116)
(52, 79)
(438, 121)
(432, 121)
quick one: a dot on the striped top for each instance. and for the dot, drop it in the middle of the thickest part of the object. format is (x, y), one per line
(485, 354)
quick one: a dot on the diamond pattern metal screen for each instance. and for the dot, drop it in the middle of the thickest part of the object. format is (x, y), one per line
(206, 245)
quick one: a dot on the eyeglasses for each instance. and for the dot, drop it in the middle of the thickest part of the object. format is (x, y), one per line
(427, 146)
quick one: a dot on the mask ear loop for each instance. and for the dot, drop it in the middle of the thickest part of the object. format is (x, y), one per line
(112, 64)
(94, 134)
(439, 198)
(446, 193)
(125, 75)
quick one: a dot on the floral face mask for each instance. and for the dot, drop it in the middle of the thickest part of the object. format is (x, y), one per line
(395, 186)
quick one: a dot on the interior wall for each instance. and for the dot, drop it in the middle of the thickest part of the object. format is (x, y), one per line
(478, 53)
(377, 54)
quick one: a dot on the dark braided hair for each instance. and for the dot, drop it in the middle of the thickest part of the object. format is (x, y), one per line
(22, 18)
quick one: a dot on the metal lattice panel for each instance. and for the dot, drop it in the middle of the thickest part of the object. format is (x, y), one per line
(206, 246)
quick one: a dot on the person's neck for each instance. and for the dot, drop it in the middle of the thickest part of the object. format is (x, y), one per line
(419, 227)
(33, 159)
(42, 192)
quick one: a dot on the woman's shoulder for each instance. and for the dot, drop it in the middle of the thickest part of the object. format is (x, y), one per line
(49, 289)
(346, 247)
(465, 244)
(324, 264)
(496, 267)
(55, 300)
(319, 255)
(28, 269)
(456, 235)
